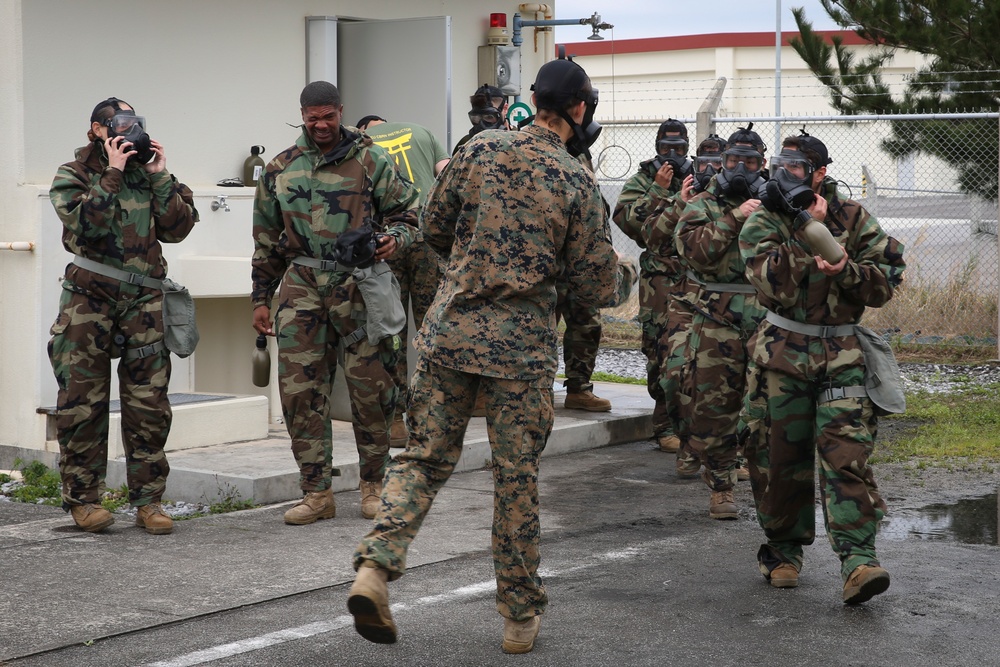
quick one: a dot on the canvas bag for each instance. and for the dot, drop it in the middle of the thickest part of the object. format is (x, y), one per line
(180, 331)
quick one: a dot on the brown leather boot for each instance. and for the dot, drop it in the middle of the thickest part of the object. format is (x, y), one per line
(519, 636)
(154, 519)
(668, 443)
(90, 517)
(371, 498)
(723, 505)
(314, 506)
(585, 400)
(784, 576)
(398, 433)
(368, 602)
(865, 582)
(743, 474)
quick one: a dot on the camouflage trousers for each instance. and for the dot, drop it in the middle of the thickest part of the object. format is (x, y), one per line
(712, 381)
(418, 270)
(519, 418)
(312, 319)
(580, 342)
(81, 349)
(787, 428)
(664, 340)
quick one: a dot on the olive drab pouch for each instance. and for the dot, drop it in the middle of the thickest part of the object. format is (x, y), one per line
(380, 291)
(180, 331)
(883, 380)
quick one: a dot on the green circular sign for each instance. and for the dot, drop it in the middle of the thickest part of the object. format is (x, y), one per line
(517, 112)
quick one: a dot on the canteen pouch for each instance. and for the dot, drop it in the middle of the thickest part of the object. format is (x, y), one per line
(180, 331)
(883, 380)
(380, 291)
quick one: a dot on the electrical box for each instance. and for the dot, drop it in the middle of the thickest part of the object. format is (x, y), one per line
(500, 66)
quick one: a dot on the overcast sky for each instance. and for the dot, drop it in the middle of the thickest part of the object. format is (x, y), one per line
(661, 18)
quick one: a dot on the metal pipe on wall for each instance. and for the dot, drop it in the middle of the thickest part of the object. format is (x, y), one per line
(24, 246)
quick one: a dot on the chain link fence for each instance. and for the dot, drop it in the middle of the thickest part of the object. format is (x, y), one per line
(931, 181)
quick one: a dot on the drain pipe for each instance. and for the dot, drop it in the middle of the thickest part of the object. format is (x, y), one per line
(24, 246)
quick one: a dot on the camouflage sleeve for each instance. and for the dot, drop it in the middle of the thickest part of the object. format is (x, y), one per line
(396, 198)
(775, 264)
(659, 228)
(174, 213)
(85, 207)
(594, 276)
(267, 264)
(639, 197)
(875, 264)
(440, 214)
(706, 232)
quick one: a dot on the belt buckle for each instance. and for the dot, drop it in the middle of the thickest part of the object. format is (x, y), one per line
(826, 331)
(134, 279)
(327, 265)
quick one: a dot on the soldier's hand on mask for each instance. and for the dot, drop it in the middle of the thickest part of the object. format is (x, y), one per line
(818, 208)
(749, 206)
(386, 247)
(159, 161)
(664, 175)
(828, 268)
(262, 320)
(119, 151)
(686, 187)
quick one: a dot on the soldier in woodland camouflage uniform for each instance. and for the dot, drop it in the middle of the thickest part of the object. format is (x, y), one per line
(654, 188)
(332, 180)
(725, 315)
(420, 157)
(805, 390)
(116, 209)
(515, 213)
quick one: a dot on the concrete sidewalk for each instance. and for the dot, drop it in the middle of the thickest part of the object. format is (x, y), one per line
(264, 470)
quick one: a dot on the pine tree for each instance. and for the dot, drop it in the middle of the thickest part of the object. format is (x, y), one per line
(962, 76)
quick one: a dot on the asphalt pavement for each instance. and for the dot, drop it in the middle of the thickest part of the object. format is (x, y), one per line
(636, 573)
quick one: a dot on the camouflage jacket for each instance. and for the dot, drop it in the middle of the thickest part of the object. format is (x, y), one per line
(118, 218)
(512, 214)
(305, 199)
(783, 269)
(640, 197)
(707, 241)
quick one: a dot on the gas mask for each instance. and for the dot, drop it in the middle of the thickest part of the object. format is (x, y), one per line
(356, 247)
(673, 151)
(740, 175)
(487, 118)
(787, 192)
(705, 167)
(586, 132)
(132, 128)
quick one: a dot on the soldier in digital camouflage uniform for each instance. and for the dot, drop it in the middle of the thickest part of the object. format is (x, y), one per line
(332, 180)
(806, 371)
(420, 157)
(116, 210)
(515, 213)
(653, 188)
(726, 313)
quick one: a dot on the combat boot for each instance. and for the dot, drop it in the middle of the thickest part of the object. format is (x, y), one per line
(154, 519)
(585, 400)
(519, 636)
(743, 474)
(368, 602)
(398, 433)
(865, 582)
(371, 498)
(90, 517)
(314, 506)
(784, 576)
(722, 505)
(668, 443)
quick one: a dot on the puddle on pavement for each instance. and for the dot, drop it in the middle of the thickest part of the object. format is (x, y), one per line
(968, 521)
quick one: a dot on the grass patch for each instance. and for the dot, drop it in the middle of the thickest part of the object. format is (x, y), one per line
(600, 376)
(39, 484)
(939, 428)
